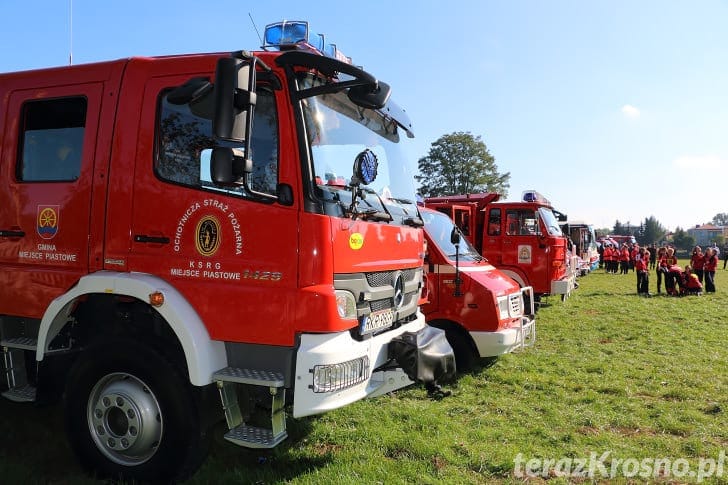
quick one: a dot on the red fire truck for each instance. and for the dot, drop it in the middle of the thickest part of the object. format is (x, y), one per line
(483, 312)
(183, 239)
(522, 239)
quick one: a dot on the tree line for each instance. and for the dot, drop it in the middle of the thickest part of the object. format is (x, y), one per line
(651, 231)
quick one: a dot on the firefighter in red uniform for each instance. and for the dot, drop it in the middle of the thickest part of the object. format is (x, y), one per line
(711, 263)
(643, 273)
(670, 263)
(624, 260)
(608, 252)
(697, 260)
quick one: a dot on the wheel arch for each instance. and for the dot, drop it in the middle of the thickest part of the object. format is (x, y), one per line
(517, 276)
(203, 355)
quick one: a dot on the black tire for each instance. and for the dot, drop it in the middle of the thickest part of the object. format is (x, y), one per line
(131, 415)
(465, 353)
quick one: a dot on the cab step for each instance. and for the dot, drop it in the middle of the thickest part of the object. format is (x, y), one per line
(24, 343)
(24, 393)
(254, 437)
(253, 377)
(241, 434)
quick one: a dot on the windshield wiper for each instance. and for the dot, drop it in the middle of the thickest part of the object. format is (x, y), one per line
(372, 215)
(413, 221)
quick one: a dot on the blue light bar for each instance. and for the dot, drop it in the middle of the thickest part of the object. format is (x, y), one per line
(295, 34)
(533, 196)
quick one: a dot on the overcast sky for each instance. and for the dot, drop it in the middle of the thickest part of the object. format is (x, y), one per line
(614, 110)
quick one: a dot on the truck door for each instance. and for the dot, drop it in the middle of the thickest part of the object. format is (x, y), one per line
(45, 199)
(493, 236)
(522, 247)
(232, 255)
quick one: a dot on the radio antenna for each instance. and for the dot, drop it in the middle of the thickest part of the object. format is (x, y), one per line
(256, 29)
(70, 32)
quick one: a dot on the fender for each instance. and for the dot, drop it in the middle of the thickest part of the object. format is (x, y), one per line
(518, 277)
(203, 355)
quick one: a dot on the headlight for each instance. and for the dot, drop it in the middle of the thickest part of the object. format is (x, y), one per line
(345, 304)
(334, 377)
(503, 307)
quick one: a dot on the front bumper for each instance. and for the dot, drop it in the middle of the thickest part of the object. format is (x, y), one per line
(493, 344)
(564, 286)
(330, 349)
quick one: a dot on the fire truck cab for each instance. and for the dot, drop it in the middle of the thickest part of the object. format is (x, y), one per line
(183, 239)
(522, 239)
(584, 243)
(483, 312)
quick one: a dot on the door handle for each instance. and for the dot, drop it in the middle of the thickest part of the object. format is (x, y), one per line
(142, 238)
(11, 233)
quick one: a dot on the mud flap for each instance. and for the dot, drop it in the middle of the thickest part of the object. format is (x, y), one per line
(425, 356)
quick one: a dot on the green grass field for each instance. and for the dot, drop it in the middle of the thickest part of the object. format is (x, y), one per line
(635, 378)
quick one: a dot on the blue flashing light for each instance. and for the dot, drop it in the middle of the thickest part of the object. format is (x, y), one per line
(295, 34)
(533, 196)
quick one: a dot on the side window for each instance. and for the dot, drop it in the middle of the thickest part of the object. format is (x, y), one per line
(185, 145)
(494, 222)
(521, 222)
(462, 220)
(51, 140)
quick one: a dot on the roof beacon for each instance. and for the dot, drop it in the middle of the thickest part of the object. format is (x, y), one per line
(533, 196)
(295, 34)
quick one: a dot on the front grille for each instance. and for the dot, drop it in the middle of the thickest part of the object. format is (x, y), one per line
(384, 278)
(378, 305)
(514, 302)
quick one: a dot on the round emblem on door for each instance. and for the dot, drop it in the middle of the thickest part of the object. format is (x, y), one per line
(207, 236)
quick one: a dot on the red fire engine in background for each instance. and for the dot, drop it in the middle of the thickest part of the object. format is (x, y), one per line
(483, 312)
(185, 230)
(522, 239)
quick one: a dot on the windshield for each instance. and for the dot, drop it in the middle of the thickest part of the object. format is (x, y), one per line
(550, 221)
(338, 131)
(439, 227)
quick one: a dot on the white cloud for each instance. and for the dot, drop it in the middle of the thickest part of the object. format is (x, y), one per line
(630, 111)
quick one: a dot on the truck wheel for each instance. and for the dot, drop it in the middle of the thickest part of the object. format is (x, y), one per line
(465, 354)
(130, 415)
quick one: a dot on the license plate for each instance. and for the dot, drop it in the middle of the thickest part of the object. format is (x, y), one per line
(377, 320)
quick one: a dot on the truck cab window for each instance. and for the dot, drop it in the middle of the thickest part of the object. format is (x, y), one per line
(494, 222)
(51, 140)
(185, 145)
(522, 222)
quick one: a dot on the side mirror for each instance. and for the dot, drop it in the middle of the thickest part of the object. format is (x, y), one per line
(372, 96)
(227, 168)
(221, 166)
(234, 98)
(455, 236)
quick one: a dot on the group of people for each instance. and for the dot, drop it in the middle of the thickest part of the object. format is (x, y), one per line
(695, 277)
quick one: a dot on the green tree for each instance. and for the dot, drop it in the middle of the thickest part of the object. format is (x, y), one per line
(652, 231)
(460, 163)
(720, 219)
(682, 240)
(619, 229)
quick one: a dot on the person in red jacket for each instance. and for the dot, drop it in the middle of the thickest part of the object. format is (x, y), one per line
(641, 267)
(697, 259)
(690, 284)
(608, 255)
(709, 266)
(661, 268)
(624, 260)
(673, 270)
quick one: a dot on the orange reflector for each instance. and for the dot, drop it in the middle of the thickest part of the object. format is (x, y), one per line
(555, 264)
(156, 298)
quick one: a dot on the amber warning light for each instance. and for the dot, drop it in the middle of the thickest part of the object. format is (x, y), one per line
(156, 299)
